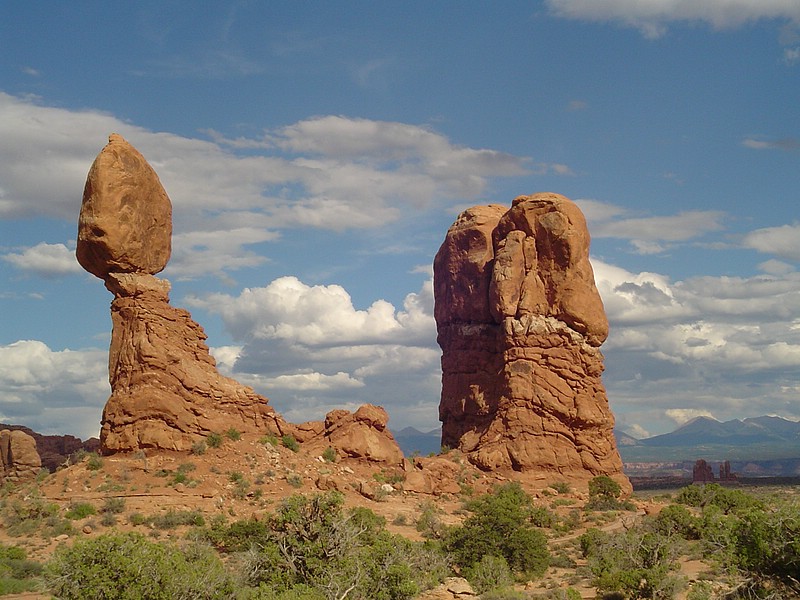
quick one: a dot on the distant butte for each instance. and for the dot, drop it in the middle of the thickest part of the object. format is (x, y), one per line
(520, 323)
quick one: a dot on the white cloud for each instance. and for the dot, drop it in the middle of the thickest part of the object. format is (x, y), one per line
(328, 172)
(651, 17)
(53, 391)
(46, 260)
(783, 241)
(649, 234)
(308, 346)
(727, 345)
(684, 415)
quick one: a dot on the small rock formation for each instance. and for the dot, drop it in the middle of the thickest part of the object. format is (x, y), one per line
(165, 389)
(18, 456)
(360, 435)
(520, 323)
(702, 472)
(54, 450)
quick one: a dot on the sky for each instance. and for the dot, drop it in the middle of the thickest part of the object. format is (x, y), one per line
(316, 153)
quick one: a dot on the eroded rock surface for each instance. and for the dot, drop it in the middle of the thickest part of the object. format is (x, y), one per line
(125, 224)
(361, 435)
(520, 323)
(165, 389)
(18, 456)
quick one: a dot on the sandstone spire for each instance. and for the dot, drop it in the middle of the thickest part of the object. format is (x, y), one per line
(520, 323)
(165, 389)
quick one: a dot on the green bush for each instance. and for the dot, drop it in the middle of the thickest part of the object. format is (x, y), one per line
(17, 573)
(313, 543)
(126, 566)
(500, 525)
(329, 455)
(289, 442)
(233, 434)
(214, 440)
(94, 462)
(490, 573)
(80, 510)
(113, 505)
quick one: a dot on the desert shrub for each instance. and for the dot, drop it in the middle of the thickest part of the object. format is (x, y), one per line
(270, 439)
(676, 519)
(490, 573)
(500, 525)
(127, 566)
(80, 510)
(562, 487)
(312, 545)
(93, 462)
(429, 522)
(233, 434)
(17, 573)
(113, 505)
(329, 455)
(767, 544)
(214, 440)
(177, 518)
(604, 494)
(199, 448)
(712, 494)
(290, 442)
(636, 564)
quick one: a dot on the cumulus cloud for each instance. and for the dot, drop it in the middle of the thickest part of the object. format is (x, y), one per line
(53, 391)
(310, 349)
(727, 345)
(328, 172)
(46, 260)
(651, 17)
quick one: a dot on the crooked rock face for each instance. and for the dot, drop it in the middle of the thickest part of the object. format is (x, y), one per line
(165, 389)
(19, 459)
(520, 323)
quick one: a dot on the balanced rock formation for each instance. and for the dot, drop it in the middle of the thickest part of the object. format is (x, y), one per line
(165, 389)
(19, 459)
(520, 323)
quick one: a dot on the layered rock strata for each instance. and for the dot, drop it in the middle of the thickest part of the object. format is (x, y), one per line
(166, 392)
(520, 324)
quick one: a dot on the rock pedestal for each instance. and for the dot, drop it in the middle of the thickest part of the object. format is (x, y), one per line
(166, 392)
(520, 323)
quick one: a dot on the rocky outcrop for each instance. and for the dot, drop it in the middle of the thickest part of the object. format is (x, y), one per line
(359, 435)
(520, 323)
(54, 450)
(18, 456)
(165, 389)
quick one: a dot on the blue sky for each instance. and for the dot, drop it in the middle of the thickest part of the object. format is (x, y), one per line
(316, 153)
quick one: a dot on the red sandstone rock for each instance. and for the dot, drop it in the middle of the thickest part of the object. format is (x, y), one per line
(18, 456)
(125, 225)
(166, 390)
(520, 323)
(360, 435)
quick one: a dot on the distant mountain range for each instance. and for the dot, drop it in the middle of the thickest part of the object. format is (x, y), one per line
(413, 441)
(756, 446)
(757, 438)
